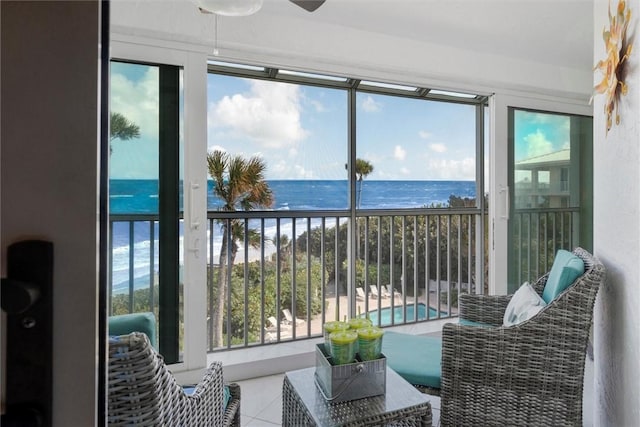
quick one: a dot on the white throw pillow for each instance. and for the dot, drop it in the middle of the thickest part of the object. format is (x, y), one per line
(524, 304)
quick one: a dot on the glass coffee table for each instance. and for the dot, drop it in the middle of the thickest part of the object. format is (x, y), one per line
(304, 405)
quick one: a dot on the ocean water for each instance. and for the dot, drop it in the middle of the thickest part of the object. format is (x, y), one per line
(136, 196)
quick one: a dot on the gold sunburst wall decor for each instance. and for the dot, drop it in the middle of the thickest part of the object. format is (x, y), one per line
(618, 49)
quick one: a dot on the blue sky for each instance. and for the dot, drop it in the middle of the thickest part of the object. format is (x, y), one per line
(301, 131)
(539, 133)
(134, 94)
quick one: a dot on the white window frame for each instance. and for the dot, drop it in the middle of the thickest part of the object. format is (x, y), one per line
(194, 65)
(499, 105)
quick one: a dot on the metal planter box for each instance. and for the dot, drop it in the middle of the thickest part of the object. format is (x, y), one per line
(351, 381)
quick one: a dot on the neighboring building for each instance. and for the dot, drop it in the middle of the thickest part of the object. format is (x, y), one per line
(543, 181)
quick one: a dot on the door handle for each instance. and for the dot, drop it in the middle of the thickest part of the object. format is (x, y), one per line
(27, 298)
(507, 202)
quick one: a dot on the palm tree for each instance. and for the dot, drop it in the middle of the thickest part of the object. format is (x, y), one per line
(241, 185)
(363, 168)
(122, 128)
(283, 251)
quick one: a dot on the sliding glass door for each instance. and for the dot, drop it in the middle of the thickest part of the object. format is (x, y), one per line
(550, 189)
(145, 196)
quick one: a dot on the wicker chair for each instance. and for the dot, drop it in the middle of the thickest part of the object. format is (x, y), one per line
(143, 392)
(530, 374)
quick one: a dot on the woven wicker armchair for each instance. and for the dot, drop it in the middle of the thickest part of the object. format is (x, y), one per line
(143, 392)
(530, 374)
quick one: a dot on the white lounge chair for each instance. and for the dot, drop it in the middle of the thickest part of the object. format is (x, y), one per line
(375, 293)
(289, 317)
(360, 294)
(272, 325)
(386, 290)
(272, 336)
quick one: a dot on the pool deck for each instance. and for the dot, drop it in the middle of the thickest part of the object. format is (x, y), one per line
(315, 326)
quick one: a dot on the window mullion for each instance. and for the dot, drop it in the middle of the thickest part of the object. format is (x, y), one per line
(168, 199)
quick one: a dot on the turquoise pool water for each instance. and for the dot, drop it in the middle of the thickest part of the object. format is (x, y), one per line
(399, 312)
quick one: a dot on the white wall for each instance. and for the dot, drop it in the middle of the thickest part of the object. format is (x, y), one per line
(49, 140)
(617, 244)
(299, 41)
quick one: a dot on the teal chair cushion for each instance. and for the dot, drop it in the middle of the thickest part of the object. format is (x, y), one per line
(124, 324)
(190, 389)
(566, 268)
(466, 322)
(415, 358)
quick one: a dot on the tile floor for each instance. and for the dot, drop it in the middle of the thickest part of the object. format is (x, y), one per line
(262, 400)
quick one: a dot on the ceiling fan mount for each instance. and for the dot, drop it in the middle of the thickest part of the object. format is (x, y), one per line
(308, 5)
(247, 7)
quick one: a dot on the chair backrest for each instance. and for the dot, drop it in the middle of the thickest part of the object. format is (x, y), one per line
(546, 354)
(144, 322)
(592, 278)
(287, 314)
(143, 392)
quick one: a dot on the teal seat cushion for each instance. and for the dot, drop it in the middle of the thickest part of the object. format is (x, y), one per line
(415, 358)
(566, 268)
(466, 322)
(227, 396)
(124, 324)
(190, 389)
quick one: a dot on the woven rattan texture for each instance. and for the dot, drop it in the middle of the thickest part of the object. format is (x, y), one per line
(530, 374)
(142, 391)
(300, 397)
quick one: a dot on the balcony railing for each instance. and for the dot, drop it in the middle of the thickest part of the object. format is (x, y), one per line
(409, 268)
(398, 267)
(537, 234)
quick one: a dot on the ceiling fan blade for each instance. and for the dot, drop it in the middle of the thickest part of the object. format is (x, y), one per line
(308, 5)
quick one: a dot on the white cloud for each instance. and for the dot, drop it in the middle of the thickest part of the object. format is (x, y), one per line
(538, 144)
(318, 106)
(424, 134)
(269, 114)
(452, 169)
(369, 105)
(279, 168)
(438, 147)
(405, 171)
(217, 148)
(557, 120)
(137, 100)
(302, 173)
(285, 168)
(399, 153)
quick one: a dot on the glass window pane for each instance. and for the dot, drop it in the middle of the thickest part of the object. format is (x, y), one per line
(298, 131)
(541, 151)
(421, 153)
(552, 182)
(133, 188)
(134, 172)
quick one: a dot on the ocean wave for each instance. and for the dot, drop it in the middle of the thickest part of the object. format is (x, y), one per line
(144, 259)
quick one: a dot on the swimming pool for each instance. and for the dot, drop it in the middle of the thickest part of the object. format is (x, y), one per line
(398, 313)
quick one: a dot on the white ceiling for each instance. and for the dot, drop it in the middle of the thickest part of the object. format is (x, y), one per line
(557, 32)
